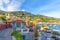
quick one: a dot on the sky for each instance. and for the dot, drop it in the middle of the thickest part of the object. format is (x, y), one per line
(44, 7)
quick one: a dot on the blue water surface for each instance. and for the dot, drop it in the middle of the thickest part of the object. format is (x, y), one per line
(51, 26)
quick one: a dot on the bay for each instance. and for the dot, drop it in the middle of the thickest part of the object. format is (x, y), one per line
(55, 27)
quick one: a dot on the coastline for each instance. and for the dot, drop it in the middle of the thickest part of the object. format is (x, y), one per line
(47, 23)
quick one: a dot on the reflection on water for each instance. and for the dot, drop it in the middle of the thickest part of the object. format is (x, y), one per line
(50, 25)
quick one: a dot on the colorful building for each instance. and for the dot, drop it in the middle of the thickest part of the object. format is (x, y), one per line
(2, 25)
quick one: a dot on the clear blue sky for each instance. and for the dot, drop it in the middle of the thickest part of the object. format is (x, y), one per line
(44, 7)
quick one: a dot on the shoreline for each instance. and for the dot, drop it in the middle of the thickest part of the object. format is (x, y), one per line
(48, 23)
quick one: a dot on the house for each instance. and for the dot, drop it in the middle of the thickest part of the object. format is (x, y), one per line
(2, 25)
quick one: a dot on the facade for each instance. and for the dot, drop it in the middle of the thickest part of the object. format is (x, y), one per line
(9, 24)
(27, 32)
(2, 25)
(19, 24)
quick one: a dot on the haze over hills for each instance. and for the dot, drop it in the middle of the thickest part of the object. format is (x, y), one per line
(30, 16)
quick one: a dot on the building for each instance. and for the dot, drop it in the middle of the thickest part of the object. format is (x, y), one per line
(22, 26)
(2, 25)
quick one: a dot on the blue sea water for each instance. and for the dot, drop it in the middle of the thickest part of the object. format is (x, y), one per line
(51, 26)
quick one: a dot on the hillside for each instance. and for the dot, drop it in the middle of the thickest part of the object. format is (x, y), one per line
(29, 16)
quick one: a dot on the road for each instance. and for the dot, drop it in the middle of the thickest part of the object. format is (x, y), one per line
(6, 34)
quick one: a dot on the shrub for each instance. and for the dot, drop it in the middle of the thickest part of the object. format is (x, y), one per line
(2, 18)
(56, 33)
(17, 35)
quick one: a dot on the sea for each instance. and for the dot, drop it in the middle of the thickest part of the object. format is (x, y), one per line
(55, 27)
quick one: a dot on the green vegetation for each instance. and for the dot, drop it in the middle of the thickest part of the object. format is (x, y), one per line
(29, 16)
(2, 18)
(36, 33)
(17, 35)
(56, 33)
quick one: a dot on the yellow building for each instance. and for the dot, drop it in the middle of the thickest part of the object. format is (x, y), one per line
(8, 16)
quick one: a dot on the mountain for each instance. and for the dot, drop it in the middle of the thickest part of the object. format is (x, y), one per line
(30, 16)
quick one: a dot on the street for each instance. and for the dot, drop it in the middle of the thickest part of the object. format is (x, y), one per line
(6, 34)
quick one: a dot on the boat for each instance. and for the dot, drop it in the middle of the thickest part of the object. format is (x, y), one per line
(44, 27)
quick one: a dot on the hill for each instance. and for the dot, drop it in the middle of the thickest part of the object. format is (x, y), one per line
(29, 16)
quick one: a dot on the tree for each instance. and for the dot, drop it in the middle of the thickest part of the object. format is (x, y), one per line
(2, 18)
(17, 35)
(36, 34)
(56, 33)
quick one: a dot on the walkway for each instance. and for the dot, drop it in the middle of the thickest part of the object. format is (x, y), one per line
(6, 34)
